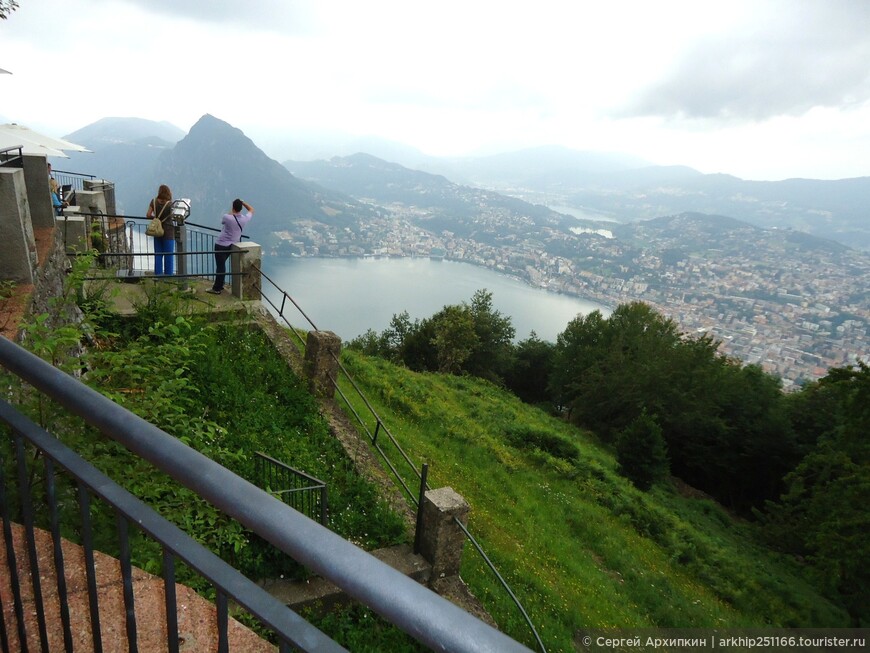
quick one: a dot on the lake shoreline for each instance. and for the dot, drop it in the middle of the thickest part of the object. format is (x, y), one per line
(603, 301)
(351, 295)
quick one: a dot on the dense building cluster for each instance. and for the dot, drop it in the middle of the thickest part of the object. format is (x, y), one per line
(795, 310)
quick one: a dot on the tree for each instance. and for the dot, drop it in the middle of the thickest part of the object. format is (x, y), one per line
(460, 339)
(607, 371)
(823, 514)
(7, 7)
(641, 452)
(455, 339)
(491, 355)
(725, 425)
(529, 372)
(576, 352)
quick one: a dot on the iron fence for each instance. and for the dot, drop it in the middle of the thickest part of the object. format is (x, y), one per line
(378, 433)
(73, 181)
(297, 489)
(424, 615)
(125, 248)
(12, 157)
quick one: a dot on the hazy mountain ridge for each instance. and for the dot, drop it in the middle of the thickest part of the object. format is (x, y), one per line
(124, 130)
(701, 234)
(620, 187)
(448, 205)
(834, 210)
(211, 165)
(466, 210)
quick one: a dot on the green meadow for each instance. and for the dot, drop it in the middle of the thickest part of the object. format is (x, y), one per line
(578, 544)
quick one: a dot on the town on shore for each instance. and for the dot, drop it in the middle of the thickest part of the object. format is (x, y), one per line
(795, 311)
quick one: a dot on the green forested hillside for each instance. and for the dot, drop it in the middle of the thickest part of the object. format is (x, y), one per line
(579, 544)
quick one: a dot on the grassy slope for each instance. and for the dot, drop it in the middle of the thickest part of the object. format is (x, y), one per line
(579, 545)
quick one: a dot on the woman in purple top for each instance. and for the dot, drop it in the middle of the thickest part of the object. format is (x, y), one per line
(232, 225)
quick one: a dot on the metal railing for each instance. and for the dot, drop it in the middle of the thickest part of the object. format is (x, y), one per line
(70, 182)
(280, 307)
(62, 467)
(297, 489)
(128, 251)
(12, 157)
(424, 615)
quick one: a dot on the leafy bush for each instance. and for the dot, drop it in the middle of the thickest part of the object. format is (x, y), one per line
(642, 453)
(525, 437)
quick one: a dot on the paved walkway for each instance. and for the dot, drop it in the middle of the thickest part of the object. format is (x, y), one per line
(197, 629)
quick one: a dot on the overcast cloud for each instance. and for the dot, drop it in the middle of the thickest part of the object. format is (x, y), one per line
(792, 58)
(763, 89)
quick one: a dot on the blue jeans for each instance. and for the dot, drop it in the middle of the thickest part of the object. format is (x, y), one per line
(221, 254)
(164, 261)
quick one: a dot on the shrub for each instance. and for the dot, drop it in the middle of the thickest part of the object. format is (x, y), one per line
(641, 452)
(524, 437)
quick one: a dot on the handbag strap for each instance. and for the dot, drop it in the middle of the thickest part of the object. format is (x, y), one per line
(240, 226)
(162, 210)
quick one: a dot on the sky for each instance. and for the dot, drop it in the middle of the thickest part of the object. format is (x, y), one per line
(761, 89)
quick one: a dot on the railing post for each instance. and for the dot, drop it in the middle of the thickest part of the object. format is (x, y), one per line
(322, 350)
(441, 540)
(324, 505)
(246, 259)
(424, 474)
(107, 188)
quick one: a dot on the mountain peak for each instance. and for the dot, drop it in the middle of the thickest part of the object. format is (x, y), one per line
(114, 130)
(216, 162)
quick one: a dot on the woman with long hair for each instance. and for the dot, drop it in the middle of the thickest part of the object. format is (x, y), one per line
(164, 246)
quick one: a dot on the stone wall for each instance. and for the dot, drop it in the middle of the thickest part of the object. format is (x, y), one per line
(48, 285)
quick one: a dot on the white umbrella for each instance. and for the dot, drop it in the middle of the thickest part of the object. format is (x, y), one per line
(36, 137)
(27, 146)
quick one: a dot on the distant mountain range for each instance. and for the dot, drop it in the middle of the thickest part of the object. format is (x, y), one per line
(216, 162)
(110, 131)
(645, 193)
(211, 165)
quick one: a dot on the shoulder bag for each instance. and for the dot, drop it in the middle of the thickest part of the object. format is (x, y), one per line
(155, 227)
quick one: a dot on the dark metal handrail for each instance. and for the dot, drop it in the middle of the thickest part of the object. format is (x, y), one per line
(75, 180)
(176, 544)
(421, 613)
(7, 158)
(297, 489)
(129, 244)
(502, 581)
(373, 437)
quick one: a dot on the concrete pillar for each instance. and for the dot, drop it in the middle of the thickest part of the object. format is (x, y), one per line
(322, 349)
(91, 201)
(38, 191)
(108, 190)
(74, 230)
(248, 260)
(17, 245)
(441, 539)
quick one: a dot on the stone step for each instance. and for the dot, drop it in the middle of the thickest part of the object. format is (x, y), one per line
(322, 595)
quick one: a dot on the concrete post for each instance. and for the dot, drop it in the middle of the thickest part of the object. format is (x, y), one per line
(17, 245)
(74, 230)
(91, 201)
(108, 190)
(322, 349)
(248, 260)
(38, 191)
(441, 538)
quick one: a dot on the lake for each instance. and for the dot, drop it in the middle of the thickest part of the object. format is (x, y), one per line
(350, 295)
